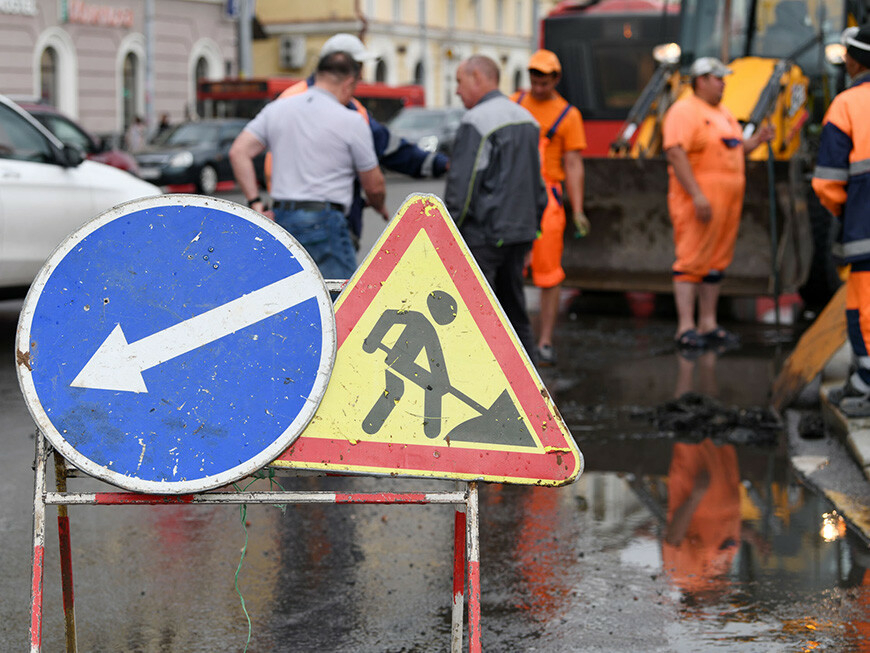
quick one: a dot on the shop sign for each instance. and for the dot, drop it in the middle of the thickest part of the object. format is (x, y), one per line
(21, 7)
(83, 13)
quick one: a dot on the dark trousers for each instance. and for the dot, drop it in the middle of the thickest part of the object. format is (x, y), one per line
(503, 269)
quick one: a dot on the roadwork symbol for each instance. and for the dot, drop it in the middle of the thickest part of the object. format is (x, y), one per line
(419, 336)
(429, 378)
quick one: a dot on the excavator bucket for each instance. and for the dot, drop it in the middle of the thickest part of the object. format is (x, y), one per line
(630, 245)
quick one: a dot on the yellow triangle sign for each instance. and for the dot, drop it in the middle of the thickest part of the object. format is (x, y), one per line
(430, 379)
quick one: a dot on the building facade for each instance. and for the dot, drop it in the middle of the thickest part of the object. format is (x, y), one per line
(89, 57)
(418, 41)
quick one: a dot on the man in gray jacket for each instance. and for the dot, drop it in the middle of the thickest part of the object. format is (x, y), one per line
(494, 188)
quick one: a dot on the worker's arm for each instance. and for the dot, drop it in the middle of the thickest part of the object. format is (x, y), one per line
(575, 179)
(763, 134)
(397, 154)
(679, 160)
(372, 182)
(831, 174)
(242, 153)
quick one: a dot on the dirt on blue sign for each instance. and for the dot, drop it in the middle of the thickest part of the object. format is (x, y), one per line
(175, 344)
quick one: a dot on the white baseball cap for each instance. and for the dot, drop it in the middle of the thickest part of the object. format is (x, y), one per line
(709, 66)
(347, 43)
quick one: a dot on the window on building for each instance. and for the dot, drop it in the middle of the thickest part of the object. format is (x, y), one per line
(200, 72)
(478, 13)
(381, 71)
(499, 16)
(397, 10)
(48, 76)
(419, 73)
(131, 89)
(518, 80)
(518, 18)
(201, 69)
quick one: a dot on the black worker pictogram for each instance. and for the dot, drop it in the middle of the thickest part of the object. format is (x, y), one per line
(499, 423)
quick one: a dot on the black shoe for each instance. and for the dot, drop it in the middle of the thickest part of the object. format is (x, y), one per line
(546, 356)
(836, 395)
(850, 400)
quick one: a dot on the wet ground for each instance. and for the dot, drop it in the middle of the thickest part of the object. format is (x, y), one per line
(602, 565)
(581, 568)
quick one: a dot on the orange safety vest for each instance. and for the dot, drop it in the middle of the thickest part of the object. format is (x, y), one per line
(547, 136)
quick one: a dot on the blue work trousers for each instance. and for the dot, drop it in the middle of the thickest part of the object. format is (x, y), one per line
(503, 269)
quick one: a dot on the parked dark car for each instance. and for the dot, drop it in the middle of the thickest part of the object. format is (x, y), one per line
(71, 133)
(432, 130)
(195, 152)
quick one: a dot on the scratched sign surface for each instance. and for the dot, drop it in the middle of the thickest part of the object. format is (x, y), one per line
(175, 344)
(429, 378)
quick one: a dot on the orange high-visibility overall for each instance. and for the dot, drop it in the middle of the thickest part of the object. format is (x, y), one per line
(713, 142)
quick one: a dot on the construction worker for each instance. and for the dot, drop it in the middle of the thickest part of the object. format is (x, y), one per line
(705, 150)
(842, 181)
(561, 143)
(321, 149)
(394, 153)
(494, 189)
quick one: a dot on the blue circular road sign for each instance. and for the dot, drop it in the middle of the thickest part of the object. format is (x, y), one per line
(175, 344)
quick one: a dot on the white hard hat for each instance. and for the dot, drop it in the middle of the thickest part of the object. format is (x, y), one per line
(347, 43)
(709, 66)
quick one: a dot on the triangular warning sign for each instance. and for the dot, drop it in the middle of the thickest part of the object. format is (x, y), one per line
(429, 377)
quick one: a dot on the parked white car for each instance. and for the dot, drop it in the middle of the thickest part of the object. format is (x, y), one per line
(47, 191)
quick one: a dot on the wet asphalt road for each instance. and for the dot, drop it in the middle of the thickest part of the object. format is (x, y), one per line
(579, 568)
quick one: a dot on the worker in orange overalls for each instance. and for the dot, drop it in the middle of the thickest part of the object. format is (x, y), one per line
(705, 150)
(842, 182)
(561, 143)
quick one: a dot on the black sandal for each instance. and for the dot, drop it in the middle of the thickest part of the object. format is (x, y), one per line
(721, 339)
(690, 339)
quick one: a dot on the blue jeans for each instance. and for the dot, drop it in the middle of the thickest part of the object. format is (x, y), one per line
(325, 236)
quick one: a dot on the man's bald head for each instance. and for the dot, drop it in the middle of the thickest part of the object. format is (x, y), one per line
(475, 77)
(487, 67)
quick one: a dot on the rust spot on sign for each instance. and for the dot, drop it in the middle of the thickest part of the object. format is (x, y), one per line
(23, 358)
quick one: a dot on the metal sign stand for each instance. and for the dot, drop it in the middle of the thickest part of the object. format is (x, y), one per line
(466, 555)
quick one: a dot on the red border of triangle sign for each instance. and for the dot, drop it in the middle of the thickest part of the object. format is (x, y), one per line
(333, 442)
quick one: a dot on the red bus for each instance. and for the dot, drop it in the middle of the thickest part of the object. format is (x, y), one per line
(606, 49)
(243, 98)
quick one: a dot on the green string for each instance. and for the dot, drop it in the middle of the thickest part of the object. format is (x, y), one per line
(243, 512)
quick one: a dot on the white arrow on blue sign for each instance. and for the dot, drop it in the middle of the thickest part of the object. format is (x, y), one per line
(175, 344)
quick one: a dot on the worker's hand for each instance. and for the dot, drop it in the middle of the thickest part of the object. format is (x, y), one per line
(766, 133)
(384, 214)
(260, 207)
(581, 224)
(703, 210)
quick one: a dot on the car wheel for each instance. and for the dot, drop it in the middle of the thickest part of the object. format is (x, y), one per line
(208, 179)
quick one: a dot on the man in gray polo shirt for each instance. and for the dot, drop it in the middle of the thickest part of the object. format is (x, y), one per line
(318, 148)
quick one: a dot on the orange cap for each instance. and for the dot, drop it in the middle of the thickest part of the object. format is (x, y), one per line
(546, 62)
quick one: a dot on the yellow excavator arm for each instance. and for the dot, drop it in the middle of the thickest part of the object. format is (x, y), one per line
(759, 90)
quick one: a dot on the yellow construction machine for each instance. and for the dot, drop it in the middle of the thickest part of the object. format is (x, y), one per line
(784, 58)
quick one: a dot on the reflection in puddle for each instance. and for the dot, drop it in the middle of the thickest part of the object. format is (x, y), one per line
(688, 531)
